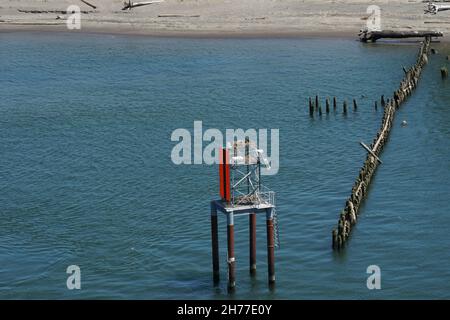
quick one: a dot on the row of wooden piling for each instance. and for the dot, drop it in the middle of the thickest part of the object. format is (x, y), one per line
(349, 215)
(315, 106)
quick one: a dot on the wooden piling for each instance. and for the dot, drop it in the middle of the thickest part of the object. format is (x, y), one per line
(334, 103)
(355, 106)
(444, 72)
(317, 102)
(348, 216)
(376, 105)
(344, 107)
(327, 105)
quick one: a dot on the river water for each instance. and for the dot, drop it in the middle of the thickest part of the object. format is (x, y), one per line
(86, 176)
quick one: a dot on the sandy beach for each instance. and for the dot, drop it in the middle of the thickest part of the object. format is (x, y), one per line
(222, 17)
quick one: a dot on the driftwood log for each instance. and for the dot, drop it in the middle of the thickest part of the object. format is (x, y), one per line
(89, 4)
(434, 8)
(129, 5)
(51, 11)
(372, 36)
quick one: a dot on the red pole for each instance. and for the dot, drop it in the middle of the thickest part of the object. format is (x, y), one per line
(231, 259)
(215, 244)
(252, 228)
(270, 248)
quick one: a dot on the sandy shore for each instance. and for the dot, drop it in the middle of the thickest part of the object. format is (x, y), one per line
(222, 17)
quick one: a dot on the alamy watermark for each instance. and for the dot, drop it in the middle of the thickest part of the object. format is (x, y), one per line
(73, 21)
(74, 280)
(190, 150)
(374, 280)
(373, 22)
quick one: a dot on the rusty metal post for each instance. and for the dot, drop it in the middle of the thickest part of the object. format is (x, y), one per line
(231, 259)
(215, 244)
(270, 247)
(252, 228)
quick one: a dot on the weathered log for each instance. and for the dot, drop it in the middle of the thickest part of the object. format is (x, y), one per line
(129, 5)
(89, 4)
(434, 8)
(372, 36)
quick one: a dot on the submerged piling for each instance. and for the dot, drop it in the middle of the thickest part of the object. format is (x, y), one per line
(349, 215)
(444, 72)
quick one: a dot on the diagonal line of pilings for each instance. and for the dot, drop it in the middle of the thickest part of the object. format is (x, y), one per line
(349, 215)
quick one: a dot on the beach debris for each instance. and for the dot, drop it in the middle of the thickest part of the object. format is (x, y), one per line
(366, 35)
(129, 5)
(170, 15)
(434, 8)
(52, 11)
(89, 4)
(349, 216)
(404, 123)
(444, 72)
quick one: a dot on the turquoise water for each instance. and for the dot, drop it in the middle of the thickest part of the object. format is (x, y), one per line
(86, 176)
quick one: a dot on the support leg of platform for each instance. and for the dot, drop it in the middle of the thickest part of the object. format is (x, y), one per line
(270, 247)
(231, 259)
(252, 237)
(215, 244)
